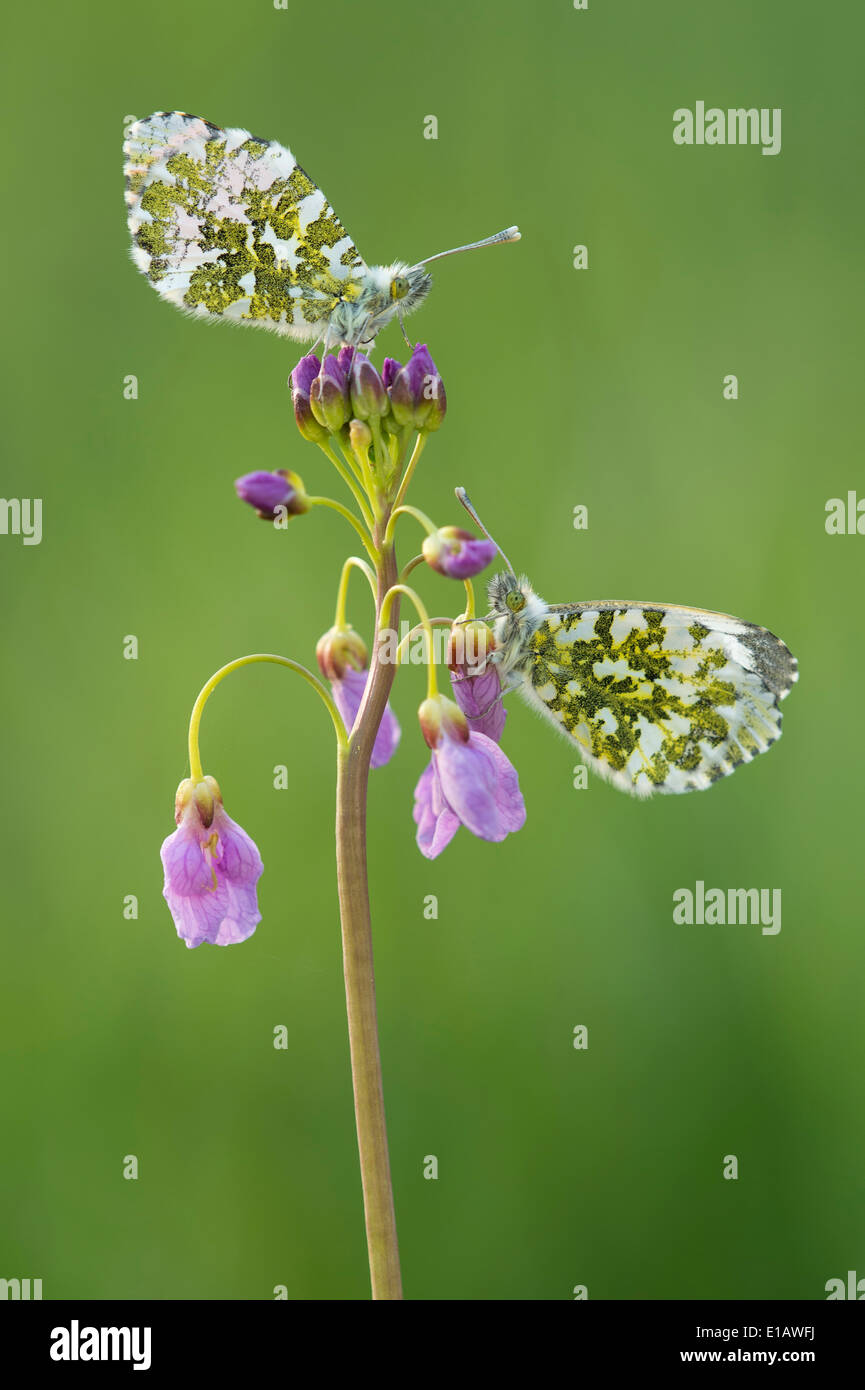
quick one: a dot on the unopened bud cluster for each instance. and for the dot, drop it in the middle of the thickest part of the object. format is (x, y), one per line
(329, 396)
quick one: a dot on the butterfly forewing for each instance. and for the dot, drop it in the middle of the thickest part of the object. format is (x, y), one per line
(658, 698)
(230, 226)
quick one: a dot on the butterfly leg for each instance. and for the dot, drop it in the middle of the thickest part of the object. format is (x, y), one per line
(408, 344)
(362, 338)
(492, 704)
(324, 351)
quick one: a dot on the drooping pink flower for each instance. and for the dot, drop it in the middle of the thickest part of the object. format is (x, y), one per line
(469, 782)
(211, 869)
(342, 658)
(479, 698)
(348, 692)
(475, 678)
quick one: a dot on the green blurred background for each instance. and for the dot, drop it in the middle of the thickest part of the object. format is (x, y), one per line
(601, 387)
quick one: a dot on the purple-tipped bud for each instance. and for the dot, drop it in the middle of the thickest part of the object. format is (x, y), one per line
(341, 650)
(457, 553)
(273, 494)
(328, 395)
(301, 380)
(389, 369)
(368, 396)
(417, 393)
(305, 373)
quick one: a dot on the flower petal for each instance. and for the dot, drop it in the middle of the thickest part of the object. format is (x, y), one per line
(211, 872)
(238, 858)
(386, 740)
(197, 917)
(481, 786)
(436, 822)
(348, 694)
(241, 917)
(479, 698)
(186, 868)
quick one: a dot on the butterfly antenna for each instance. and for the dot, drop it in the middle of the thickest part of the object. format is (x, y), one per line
(463, 497)
(509, 234)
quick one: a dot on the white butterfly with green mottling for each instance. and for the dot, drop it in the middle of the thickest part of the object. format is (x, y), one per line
(227, 226)
(656, 697)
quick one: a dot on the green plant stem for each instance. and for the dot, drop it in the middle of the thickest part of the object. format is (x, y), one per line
(351, 862)
(195, 768)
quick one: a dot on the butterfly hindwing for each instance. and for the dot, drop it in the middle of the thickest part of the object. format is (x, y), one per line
(230, 226)
(657, 698)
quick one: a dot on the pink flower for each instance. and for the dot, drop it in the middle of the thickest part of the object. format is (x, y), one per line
(469, 782)
(211, 869)
(475, 679)
(347, 695)
(480, 699)
(342, 658)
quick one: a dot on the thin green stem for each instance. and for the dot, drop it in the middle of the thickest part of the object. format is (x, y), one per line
(353, 562)
(349, 516)
(470, 599)
(195, 769)
(359, 448)
(405, 510)
(383, 456)
(358, 966)
(350, 481)
(410, 468)
(410, 565)
(362, 461)
(432, 681)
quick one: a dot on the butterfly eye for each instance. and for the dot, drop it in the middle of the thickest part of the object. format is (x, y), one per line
(515, 601)
(399, 287)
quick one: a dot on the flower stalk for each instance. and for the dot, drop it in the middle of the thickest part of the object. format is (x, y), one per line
(358, 968)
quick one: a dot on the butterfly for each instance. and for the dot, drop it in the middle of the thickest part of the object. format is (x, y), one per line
(228, 226)
(656, 697)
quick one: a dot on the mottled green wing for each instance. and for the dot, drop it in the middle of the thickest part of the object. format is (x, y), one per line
(229, 226)
(656, 697)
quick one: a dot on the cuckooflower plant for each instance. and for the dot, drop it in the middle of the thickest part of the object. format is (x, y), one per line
(372, 427)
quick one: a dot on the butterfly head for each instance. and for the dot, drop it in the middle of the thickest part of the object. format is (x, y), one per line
(515, 612)
(409, 285)
(386, 290)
